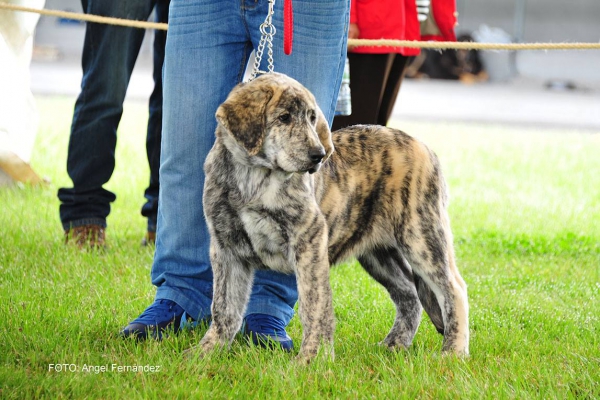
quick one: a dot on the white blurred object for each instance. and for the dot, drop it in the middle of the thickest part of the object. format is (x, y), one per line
(344, 100)
(423, 9)
(18, 113)
(496, 63)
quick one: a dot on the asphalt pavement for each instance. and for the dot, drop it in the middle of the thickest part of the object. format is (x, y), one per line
(521, 100)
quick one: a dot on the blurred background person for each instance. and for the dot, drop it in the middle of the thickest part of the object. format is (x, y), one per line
(376, 73)
(18, 112)
(109, 55)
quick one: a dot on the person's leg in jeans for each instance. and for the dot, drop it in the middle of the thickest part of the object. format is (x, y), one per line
(205, 56)
(317, 61)
(109, 54)
(153, 137)
(208, 46)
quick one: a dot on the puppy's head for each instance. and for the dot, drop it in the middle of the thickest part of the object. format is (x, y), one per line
(277, 123)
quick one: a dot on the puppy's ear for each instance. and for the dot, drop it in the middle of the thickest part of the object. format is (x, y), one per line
(324, 134)
(243, 114)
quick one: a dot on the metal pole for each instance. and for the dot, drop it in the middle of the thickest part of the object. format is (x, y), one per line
(519, 23)
(518, 30)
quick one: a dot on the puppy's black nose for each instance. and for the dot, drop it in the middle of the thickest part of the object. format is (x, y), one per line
(316, 154)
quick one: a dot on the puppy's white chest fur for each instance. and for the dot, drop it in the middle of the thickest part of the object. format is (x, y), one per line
(270, 239)
(266, 218)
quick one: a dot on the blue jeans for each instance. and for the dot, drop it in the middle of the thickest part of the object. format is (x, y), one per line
(109, 54)
(208, 46)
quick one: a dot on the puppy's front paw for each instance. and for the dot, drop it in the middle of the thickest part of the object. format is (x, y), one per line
(303, 360)
(395, 343)
(456, 352)
(194, 352)
(308, 355)
(209, 343)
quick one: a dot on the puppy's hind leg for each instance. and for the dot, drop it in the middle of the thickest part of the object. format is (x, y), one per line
(430, 252)
(388, 267)
(430, 304)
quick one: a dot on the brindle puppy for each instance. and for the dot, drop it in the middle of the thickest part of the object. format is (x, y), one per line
(278, 197)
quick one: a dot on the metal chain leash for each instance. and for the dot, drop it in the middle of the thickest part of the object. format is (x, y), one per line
(267, 31)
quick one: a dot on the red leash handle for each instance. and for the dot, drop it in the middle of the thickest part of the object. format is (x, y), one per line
(288, 27)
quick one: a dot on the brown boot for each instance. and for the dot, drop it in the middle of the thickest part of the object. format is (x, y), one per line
(86, 236)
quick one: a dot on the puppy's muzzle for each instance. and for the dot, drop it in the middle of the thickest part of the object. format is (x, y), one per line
(316, 155)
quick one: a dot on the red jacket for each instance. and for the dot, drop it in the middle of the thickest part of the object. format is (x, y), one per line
(397, 19)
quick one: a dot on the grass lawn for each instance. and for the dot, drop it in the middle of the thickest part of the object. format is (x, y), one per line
(525, 209)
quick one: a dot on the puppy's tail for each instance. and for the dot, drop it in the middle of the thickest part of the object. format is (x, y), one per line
(429, 303)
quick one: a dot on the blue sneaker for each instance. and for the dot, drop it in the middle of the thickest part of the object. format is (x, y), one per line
(267, 331)
(162, 315)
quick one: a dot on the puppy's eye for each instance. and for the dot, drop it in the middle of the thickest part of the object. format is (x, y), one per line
(312, 117)
(285, 118)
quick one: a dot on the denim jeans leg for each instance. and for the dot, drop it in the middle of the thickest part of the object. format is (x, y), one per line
(205, 56)
(108, 58)
(153, 137)
(317, 61)
(207, 50)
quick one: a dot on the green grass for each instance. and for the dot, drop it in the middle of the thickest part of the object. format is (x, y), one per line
(525, 209)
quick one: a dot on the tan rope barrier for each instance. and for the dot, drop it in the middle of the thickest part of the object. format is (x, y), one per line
(351, 42)
(88, 17)
(474, 45)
